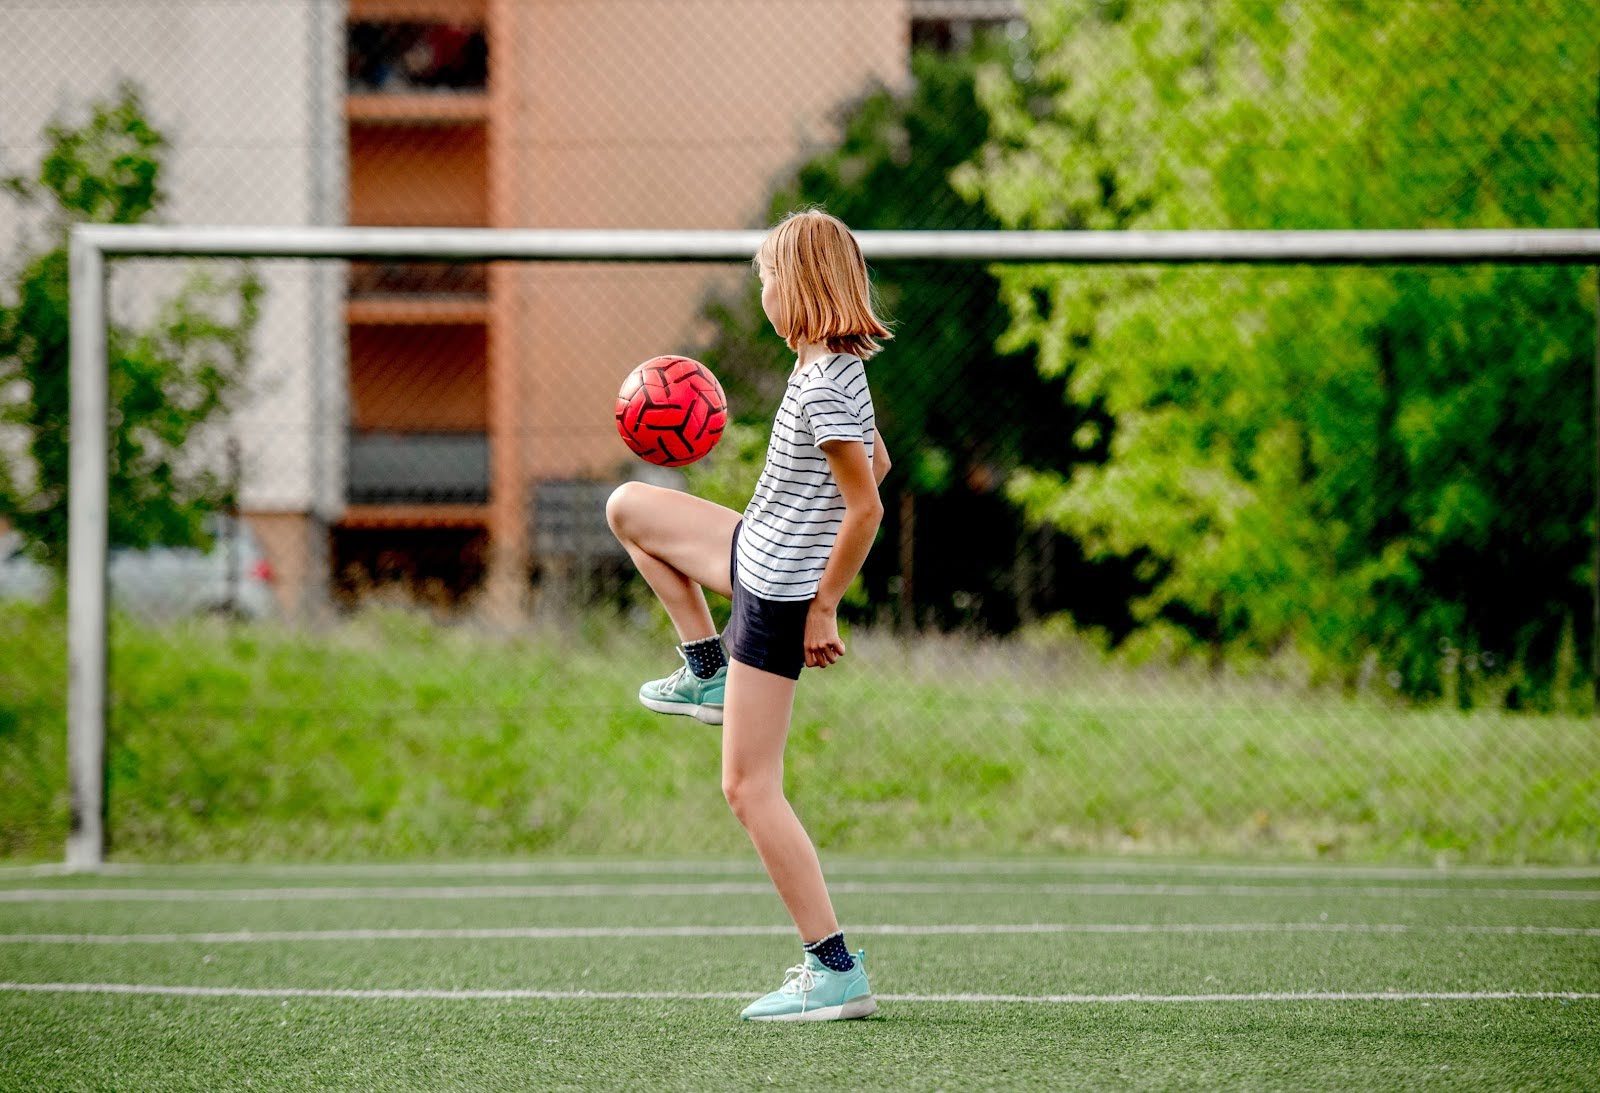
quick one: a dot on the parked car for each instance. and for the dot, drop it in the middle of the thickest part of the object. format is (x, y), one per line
(232, 578)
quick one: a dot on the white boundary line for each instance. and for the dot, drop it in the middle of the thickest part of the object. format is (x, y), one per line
(535, 933)
(630, 996)
(1263, 996)
(731, 888)
(50, 869)
(836, 867)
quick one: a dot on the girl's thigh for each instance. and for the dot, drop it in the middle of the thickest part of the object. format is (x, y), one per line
(689, 533)
(756, 709)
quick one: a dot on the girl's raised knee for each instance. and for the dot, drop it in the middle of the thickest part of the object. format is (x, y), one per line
(620, 504)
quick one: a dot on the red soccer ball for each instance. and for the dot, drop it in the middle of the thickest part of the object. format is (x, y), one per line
(671, 411)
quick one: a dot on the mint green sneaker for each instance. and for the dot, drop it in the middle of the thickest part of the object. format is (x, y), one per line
(812, 991)
(685, 693)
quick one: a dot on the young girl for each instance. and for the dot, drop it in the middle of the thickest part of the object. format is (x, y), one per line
(785, 564)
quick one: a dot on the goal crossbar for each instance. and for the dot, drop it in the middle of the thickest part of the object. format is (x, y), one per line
(93, 244)
(1381, 246)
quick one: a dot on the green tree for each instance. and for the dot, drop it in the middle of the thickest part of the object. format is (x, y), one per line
(1389, 468)
(165, 381)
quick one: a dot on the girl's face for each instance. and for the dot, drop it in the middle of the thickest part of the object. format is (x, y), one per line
(769, 293)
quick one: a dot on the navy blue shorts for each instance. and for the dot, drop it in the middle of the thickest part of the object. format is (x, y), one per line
(765, 634)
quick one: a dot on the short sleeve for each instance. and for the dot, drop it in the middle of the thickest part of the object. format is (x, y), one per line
(830, 413)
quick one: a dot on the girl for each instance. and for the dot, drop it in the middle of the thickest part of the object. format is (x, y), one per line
(785, 564)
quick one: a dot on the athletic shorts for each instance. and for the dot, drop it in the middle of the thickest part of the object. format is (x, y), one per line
(765, 634)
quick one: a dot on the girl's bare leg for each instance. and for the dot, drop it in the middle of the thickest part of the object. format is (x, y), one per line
(755, 725)
(680, 544)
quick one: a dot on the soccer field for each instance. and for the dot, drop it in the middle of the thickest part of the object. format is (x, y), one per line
(628, 974)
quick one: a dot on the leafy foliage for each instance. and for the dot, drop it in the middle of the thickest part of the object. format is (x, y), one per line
(166, 381)
(1387, 470)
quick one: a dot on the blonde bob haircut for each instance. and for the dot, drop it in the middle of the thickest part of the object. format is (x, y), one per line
(823, 294)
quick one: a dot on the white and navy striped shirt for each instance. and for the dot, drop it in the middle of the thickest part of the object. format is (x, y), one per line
(794, 516)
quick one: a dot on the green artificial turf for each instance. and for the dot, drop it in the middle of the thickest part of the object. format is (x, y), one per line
(1160, 930)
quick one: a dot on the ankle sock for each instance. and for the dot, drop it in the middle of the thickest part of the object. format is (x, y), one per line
(833, 952)
(705, 656)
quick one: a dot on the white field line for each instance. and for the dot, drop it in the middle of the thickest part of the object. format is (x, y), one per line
(538, 933)
(740, 888)
(49, 869)
(841, 867)
(676, 996)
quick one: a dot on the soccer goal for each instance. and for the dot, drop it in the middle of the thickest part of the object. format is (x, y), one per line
(95, 247)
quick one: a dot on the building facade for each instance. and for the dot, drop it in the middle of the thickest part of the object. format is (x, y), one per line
(401, 418)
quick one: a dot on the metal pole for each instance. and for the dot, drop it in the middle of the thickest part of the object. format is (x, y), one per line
(86, 556)
(234, 533)
(1370, 247)
(1594, 561)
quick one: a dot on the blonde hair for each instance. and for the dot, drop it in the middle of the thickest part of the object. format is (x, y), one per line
(824, 295)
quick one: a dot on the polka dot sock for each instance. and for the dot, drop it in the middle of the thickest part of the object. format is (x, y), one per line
(705, 656)
(833, 952)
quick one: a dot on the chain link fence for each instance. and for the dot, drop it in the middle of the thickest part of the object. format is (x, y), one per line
(1269, 561)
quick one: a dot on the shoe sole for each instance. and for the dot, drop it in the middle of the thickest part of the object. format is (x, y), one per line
(710, 715)
(851, 1010)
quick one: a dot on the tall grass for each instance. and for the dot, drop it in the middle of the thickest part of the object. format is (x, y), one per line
(391, 736)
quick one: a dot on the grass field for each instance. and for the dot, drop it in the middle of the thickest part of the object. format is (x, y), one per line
(601, 974)
(391, 737)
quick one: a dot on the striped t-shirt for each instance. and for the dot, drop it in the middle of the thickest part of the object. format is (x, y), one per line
(795, 513)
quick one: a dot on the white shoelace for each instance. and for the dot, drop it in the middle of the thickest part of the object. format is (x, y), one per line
(672, 681)
(799, 980)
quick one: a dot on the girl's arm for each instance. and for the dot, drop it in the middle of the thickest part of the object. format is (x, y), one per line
(880, 458)
(863, 512)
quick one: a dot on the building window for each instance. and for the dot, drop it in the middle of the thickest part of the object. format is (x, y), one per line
(417, 468)
(380, 279)
(410, 57)
(952, 26)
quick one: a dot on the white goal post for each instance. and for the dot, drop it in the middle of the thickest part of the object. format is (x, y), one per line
(93, 245)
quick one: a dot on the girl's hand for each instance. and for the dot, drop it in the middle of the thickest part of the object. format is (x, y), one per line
(823, 646)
